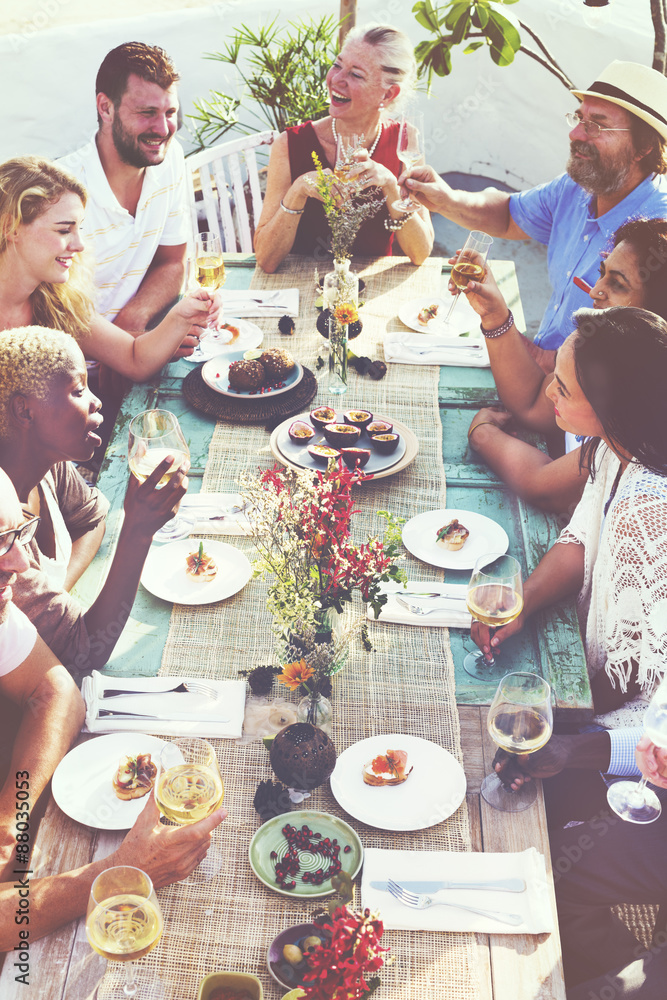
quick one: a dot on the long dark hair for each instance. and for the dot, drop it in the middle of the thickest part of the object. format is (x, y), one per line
(620, 358)
(648, 240)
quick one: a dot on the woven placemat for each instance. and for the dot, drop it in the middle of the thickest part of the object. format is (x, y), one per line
(404, 685)
(264, 409)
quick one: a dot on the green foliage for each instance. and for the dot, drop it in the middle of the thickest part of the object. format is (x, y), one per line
(283, 69)
(456, 22)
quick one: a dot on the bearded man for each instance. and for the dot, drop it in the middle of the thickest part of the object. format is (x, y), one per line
(616, 171)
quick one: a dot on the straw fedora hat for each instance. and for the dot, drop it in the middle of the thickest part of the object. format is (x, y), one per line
(637, 88)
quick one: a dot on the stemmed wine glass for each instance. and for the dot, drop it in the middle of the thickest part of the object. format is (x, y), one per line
(153, 435)
(206, 269)
(520, 720)
(495, 597)
(346, 147)
(469, 264)
(410, 150)
(123, 920)
(634, 801)
(189, 787)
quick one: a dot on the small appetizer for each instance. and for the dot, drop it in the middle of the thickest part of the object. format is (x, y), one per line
(233, 330)
(387, 769)
(201, 566)
(453, 535)
(425, 315)
(135, 777)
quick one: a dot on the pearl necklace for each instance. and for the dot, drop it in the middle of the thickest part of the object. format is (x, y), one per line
(373, 147)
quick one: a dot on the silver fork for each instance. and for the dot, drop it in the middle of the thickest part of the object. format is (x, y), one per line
(420, 901)
(416, 610)
(199, 687)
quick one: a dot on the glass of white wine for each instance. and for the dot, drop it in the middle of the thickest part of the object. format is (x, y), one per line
(123, 921)
(520, 720)
(634, 801)
(346, 147)
(189, 787)
(153, 435)
(410, 151)
(495, 597)
(470, 264)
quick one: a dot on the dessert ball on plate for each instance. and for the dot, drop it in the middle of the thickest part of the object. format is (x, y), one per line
(277, 364)
(246, 375)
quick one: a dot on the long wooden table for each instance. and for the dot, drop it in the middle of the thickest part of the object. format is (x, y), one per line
(511, 967)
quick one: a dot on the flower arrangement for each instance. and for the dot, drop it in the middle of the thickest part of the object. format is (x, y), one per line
(339, 966)
(344, 214)
(302, 532)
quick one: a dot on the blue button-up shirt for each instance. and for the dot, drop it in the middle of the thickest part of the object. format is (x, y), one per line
(559, 214)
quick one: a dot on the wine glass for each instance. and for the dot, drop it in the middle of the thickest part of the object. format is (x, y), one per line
(189, 787)
(634, 801)
(470, 264)
(153, 435)
(206, 269)
(520, 720)
(495, 597)
(346, 147)
(410, 150)
(123, 920)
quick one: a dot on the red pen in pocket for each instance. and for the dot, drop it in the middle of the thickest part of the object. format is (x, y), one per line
(583, 285)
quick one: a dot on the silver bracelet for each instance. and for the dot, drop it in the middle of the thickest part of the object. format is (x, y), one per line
(393, 225)
(499, 330)
(291, 211)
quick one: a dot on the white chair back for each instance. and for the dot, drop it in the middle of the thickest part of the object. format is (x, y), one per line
(224, 171)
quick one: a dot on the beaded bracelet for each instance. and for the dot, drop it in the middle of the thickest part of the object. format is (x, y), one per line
(291, 211)
(393, 225)
(499, 330)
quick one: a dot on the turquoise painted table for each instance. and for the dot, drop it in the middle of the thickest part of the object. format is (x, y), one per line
(550, 645)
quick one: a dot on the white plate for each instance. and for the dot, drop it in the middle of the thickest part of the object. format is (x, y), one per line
(464, 319)
(82, 784)
(250, 336)
(434, 790)
(298, 453)
(419, 537)
(216, 375)
(164, 573)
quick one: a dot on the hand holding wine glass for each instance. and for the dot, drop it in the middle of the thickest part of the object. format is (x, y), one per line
(495, 598)
(469, 264)
(634, 801)
(123, 921)
(154, 435)
(410, 151)
(520, 721)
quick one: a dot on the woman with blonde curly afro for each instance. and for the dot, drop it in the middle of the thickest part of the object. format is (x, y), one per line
(49, 418)
(44, 277)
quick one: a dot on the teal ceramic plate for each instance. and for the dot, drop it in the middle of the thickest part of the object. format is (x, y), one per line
(270, 839)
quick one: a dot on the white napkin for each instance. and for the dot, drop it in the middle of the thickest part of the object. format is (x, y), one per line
(231, 524)
(180, 713)
(278, 303)
(534, 904)
(452, 617)
(403, 347)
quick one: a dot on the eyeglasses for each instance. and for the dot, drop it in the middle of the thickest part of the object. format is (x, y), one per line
(592, 129)
(24, 535)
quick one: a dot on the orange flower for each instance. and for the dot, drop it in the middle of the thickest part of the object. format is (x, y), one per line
(346, 312)
(296, 674)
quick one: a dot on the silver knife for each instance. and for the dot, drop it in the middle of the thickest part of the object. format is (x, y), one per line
(502, 885)
(444, 605)
(427, 595)
(123, 714)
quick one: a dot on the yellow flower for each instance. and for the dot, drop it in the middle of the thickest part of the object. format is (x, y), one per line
(296, 674)
(346, 312)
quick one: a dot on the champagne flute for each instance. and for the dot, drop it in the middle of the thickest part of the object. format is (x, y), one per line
(520, 720)
(495, 597)
(469, 264)
(153, 435)
(207, 270)
(410, 150)
(123, 920)
(189, 787)
(634, 801)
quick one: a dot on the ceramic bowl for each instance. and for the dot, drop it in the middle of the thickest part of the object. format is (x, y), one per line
(234, 980)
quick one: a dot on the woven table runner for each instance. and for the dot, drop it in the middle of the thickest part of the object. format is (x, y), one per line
(404, 685)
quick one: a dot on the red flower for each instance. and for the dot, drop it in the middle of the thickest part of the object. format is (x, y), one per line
(338, 966)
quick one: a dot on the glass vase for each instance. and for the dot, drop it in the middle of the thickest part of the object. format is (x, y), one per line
(337, 357)
(340, 289)
(316, 709)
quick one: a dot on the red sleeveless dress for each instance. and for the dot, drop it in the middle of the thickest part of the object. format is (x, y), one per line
(313, 237)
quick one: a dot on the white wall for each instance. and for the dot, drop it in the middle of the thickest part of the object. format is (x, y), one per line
(505, 124)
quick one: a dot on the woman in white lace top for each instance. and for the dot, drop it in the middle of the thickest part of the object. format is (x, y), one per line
(611, 375)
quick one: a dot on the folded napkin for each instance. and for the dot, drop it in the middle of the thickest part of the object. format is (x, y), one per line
(534, 904)
(260, 302)
(403, 347)
(455, 616)
(179, 713)
(202, 507)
